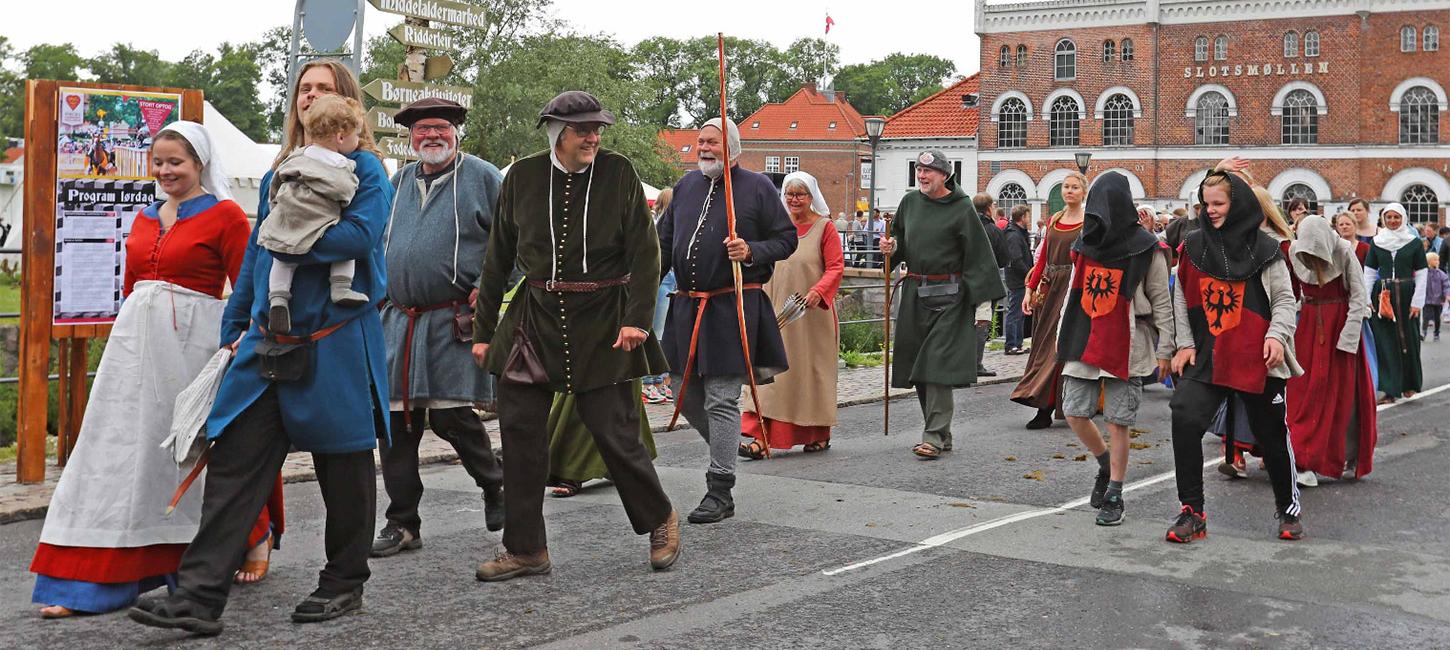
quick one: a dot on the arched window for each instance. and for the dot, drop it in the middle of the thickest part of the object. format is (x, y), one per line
(1110, 50)
(1211, 121)
(1291, 45)
(1421, 204)
(1005, 57)
(1200, 49)
(1407, 38)
(1118, 121)
(1220, 48)
(1021, 56)
(1432, 38)
(1010, 196)
(1300, 118)
(1065, 61)
(1311, 43)
(1063, 127)
(1127, 48)
(1012, 124)
(1419, 117)
(1299, 191)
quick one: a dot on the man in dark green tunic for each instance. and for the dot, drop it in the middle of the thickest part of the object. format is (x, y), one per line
(951, 282)
(574, 221)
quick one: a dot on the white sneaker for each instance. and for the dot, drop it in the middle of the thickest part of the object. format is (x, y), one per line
(1307, 479)
(651, 395)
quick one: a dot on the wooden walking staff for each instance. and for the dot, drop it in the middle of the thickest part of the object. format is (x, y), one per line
(886, 322)
(734, 270)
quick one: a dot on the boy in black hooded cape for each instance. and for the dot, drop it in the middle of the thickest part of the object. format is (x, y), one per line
(1235, 312)
(1118, 304)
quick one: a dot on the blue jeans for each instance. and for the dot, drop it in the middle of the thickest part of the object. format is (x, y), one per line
(662, 308)
(1013, 318)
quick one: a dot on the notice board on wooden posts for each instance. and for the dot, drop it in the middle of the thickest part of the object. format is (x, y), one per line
(87, 176)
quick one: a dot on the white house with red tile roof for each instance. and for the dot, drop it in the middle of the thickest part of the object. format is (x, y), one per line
(947, 122)
(817, 132)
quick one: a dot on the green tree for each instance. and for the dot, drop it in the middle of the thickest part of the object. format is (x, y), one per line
(529, 75)
(12, 94)
(806, 58)
(233, 89)
(684, 78)
(893, 83)
(58, 62)
(124, 64)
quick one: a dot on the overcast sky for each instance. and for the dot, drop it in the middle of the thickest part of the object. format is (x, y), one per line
(864, 33)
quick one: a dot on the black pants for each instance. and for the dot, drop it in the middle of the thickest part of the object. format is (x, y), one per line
(611, 414)
(1194, 404)
(462, 428)
(1431, 314)
(239, 478)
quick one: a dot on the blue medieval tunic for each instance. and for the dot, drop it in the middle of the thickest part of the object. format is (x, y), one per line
(339, 406)
(692, 242)
(435, 247)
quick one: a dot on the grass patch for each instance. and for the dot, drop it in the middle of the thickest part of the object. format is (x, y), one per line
(856, 359)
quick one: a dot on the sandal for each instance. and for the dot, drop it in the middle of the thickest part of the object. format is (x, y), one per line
(821, 445)
(320, 607)
(754, 450)
(926, 451)
(255, 567)
(56, 611)
(567, 488)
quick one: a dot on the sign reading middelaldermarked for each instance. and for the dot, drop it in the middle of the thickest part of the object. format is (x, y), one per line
(444, 11)
(394, 91)
(399, 148)
(381, 119)
(424, 37)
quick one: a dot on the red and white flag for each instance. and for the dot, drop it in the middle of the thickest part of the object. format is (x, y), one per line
(829, 22)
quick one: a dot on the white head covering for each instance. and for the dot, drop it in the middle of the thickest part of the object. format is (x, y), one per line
(732, 137)
(1149, 207)
(818, 202)
(213, 176)
(1393, 240)
(554, 128)
(1317, 239)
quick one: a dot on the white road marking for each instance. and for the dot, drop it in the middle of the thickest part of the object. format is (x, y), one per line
(954, 535)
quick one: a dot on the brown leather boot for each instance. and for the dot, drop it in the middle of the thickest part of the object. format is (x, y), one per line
(664, 543)
(510, 565)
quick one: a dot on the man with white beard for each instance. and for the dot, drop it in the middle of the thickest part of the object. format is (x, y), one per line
(442, 213)
(702, 332)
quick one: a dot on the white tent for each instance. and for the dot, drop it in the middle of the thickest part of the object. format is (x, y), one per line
(245, 161)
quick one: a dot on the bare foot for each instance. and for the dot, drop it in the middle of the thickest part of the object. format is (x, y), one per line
(55, 611)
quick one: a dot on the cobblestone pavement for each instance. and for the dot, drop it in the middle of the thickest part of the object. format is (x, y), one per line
(19, 502)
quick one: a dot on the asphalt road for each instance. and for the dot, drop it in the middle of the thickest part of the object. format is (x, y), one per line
(866, 547)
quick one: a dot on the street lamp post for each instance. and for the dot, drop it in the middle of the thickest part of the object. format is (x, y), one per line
(1083, 157)
(874, 126)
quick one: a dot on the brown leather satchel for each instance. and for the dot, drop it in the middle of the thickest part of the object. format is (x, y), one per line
(523, 365)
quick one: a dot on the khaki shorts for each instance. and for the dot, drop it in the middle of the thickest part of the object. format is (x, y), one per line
(1120, 398)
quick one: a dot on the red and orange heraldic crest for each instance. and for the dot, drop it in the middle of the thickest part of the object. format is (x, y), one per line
(1223, 303)
(1101, 287)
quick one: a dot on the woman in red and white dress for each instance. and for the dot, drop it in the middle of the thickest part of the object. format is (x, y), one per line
(107, 538)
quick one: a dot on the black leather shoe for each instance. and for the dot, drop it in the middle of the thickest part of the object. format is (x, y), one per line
(1042, 420)
(322, 606)
(986, 373)
(493, 508)
(717, 505)
(176, 613)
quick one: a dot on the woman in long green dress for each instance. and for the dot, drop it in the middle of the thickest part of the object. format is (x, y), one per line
(573, 457)
(1395, 268)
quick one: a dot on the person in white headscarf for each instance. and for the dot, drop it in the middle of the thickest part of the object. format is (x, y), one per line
(800, 406)
(1395, 270)
(106, 538)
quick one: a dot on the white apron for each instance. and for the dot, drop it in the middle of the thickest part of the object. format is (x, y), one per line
(114, 490)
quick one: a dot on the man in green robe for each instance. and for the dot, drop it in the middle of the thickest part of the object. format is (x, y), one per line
(950, 283)
(574, 221)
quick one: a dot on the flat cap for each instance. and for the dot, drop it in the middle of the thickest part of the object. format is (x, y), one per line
(935, 160)
(575, 106)
(431, 107)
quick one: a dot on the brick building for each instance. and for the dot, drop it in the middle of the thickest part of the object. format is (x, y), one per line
(682, 143)
(819, 133)
(1329, 99)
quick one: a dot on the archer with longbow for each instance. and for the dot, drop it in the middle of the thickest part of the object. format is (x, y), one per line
(751, 242)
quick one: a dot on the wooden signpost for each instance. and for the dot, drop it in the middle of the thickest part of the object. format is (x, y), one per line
(38, 315)
(418, 67)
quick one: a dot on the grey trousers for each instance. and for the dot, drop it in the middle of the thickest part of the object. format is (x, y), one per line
(712, 406)
(936, 412)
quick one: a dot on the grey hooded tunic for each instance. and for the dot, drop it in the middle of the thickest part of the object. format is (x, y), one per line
(435, 248)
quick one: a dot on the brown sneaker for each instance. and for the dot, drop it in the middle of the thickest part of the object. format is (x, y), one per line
(664, 543)
(509, 565)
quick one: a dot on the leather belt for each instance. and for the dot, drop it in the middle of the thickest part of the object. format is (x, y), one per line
(1311, 300)
(938, 277)
(701, 298)
(314, 337)
(413, 313)
(560, 286)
